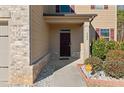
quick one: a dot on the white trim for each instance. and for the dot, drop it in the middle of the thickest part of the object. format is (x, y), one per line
(115, 29)
(66, 19)
(66, 30)
(105, 36)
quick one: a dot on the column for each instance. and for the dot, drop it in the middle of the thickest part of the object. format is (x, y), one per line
(20, 71)
(86, 40)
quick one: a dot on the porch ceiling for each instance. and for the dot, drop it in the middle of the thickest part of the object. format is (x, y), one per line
(68, 18)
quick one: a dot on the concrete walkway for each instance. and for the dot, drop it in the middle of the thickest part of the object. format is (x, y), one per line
(64, 73)
(68, 77)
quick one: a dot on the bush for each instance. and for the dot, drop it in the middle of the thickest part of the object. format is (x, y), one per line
(114, 65)
(115, 56)
(99, 49)
(114, 69)
(122, 45)
(111, 45)
(95, 62)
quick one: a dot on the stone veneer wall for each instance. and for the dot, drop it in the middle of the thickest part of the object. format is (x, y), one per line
(20, 71)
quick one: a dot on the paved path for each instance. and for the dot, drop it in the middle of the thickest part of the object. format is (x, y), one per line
(60, 73)
(68, 77)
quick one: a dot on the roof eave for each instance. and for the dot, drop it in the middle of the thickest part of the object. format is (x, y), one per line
(71, 15)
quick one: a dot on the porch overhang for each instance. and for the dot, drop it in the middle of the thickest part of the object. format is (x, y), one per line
(69, 18)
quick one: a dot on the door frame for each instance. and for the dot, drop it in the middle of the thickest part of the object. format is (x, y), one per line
(64, 30)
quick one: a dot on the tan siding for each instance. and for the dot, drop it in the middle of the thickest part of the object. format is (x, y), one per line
(105, 19)
(49, 9)
(39, 33)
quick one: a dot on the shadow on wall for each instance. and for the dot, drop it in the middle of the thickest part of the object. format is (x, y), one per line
(93, 36)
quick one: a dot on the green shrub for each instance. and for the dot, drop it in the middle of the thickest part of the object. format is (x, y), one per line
(99, 48)
(115, 56)
(111, 45)
(122, 45)
(114, 69)
(95, 62)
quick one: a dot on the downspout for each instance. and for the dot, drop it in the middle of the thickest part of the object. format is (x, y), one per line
(89, 33)
(92, 18)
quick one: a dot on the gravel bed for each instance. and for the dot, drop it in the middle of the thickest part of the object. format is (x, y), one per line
(45, 77)
(99, 75)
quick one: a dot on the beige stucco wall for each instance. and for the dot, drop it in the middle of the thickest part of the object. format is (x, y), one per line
(105, 19)
(39, 33)
(76, 38)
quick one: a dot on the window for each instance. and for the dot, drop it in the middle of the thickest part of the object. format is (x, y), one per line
(65, 8)
(105, 33)
(99, 7)
(108, 34)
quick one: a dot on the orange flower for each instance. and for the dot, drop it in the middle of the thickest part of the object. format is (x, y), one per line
(88, 67)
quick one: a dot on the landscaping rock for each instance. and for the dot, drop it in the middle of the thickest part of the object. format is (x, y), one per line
(99, 75)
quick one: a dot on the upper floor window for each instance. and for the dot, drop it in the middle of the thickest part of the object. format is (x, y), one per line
(64, 8)
(97, 7)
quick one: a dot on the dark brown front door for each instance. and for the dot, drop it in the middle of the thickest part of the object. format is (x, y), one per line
(65, 44)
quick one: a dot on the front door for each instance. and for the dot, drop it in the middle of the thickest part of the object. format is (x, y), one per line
(65, 44)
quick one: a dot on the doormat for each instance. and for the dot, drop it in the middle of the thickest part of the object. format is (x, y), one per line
(63, 58)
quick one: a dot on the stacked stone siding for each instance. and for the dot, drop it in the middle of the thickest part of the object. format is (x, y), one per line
(20, 72)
